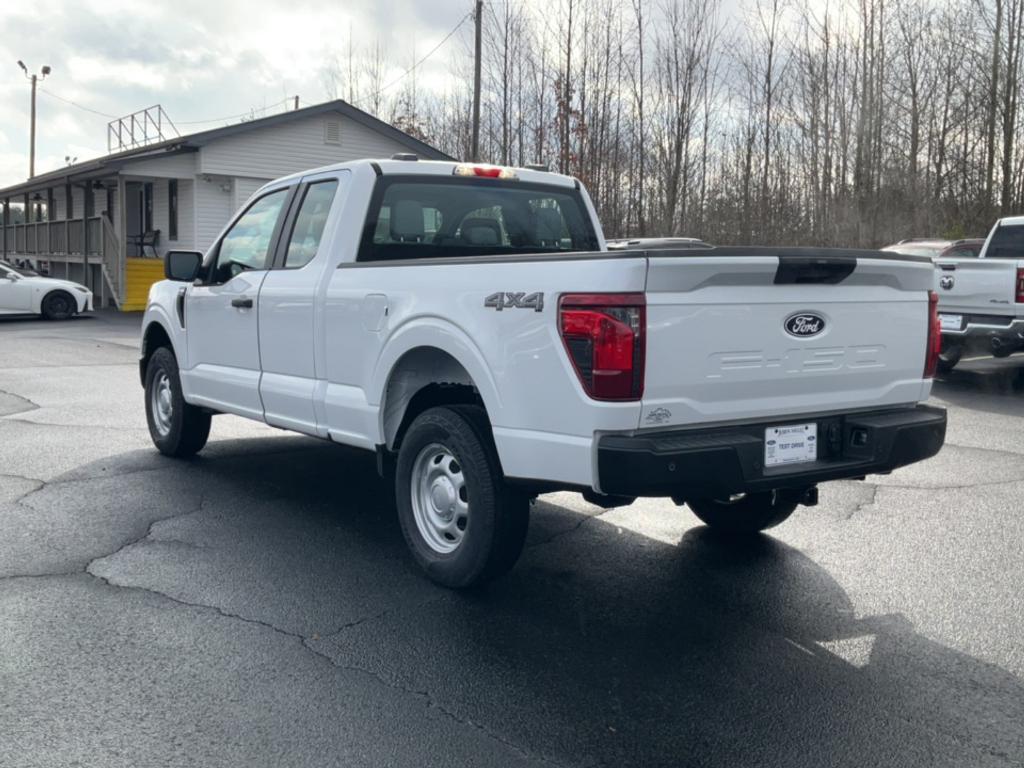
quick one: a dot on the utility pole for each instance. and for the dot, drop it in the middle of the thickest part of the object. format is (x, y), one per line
(477, 18)
(32, 135)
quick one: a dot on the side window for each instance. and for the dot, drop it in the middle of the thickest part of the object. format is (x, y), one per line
(247, 244)
(309, 224)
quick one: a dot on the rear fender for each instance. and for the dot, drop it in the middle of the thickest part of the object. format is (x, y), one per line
(433, 332)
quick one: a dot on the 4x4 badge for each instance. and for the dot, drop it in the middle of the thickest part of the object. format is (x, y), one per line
(510, 300)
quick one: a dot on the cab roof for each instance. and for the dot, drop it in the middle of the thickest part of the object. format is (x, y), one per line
(393, 167)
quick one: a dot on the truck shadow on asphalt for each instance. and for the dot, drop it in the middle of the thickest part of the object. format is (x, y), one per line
(602, 647)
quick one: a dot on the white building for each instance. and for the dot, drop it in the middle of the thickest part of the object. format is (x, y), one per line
(102, 221)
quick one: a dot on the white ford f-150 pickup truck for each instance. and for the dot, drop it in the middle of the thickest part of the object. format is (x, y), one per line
(981, 300)
(467, 323)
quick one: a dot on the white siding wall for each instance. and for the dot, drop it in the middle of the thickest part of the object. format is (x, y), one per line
(244, 189)
(186, 213)
(162, 215)
(358, 142)
(292, 147)
(212, 209)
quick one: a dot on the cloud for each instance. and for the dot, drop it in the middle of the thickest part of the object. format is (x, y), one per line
(200, 59)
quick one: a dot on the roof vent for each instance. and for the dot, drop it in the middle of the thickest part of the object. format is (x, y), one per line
(332, 132)
(538, 167)
(409, 156)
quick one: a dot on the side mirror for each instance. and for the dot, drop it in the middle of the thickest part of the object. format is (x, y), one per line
(182, 266)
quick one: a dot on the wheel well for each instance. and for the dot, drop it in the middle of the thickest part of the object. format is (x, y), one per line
(154, 338)
(423, 378)
(54, 292)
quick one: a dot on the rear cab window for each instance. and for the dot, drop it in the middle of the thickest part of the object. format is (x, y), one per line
(417, 217)
(1007, 242)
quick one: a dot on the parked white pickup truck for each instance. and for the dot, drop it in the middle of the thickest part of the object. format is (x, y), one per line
(467, 324)
(981, 300)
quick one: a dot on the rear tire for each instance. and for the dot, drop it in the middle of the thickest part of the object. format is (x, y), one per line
(749, 513)
(177, 428)
(462, 523)
(59, 305)
(949, 357)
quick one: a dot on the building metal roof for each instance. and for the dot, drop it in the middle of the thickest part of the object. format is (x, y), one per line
(192, 142)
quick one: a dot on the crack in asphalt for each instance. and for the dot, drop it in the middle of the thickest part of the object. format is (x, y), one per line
(303, 641)
(432, 703)
(862, 505)
(1003, 451)
(32, 405)
(72, 426)
(569, 531)
(65, 365)
(43, 484)
(960, 487)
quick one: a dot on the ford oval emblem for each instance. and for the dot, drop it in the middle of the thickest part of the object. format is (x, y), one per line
(804, 325)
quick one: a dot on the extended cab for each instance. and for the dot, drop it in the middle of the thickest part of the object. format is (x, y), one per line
(467, 323)
(981, 300)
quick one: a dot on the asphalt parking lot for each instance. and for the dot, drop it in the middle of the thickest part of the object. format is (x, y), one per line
(256, 607)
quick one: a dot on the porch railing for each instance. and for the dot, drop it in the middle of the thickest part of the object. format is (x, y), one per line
(43, 238)
(69, 238)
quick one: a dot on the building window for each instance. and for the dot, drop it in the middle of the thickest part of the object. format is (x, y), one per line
(332, 132)
(172, 209)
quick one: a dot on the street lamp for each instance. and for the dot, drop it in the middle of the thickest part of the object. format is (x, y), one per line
(32, 141)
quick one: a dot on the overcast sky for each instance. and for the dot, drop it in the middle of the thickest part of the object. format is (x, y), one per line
(200, 59)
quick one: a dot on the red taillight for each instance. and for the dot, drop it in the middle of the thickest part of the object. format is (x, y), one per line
(1020, 286)
(604, 334)
(931, 359)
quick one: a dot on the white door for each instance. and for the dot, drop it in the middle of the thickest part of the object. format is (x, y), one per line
(220, 313)
(15, 292)
(287, 305)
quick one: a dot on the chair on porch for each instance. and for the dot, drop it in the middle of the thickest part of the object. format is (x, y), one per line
(148, 239)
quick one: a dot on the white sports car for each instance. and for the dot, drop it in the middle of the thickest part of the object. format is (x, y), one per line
(24, 291)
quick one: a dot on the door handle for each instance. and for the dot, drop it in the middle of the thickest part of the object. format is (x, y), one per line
(244, 302)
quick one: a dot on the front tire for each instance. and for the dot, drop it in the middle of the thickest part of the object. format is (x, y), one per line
(462, 523)
(177, 428)
(744, 514)
(59, 305)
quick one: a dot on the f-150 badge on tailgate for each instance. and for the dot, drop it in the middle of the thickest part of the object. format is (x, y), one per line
(505, 300)
(803, 325)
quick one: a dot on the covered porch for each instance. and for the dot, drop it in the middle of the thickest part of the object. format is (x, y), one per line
(105, 228)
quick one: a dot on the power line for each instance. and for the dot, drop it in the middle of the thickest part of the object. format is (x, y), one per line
(235, 117)
(413, 67)
(176, 122)
(76, 104)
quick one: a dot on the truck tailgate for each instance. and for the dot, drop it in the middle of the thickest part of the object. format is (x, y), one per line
(976, 286)
(737, 336)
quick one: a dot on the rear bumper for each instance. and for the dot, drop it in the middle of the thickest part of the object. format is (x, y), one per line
(726, 460)
(988, 333)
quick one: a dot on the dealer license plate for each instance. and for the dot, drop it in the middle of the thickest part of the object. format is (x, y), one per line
(792, 444)
(950, 322)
